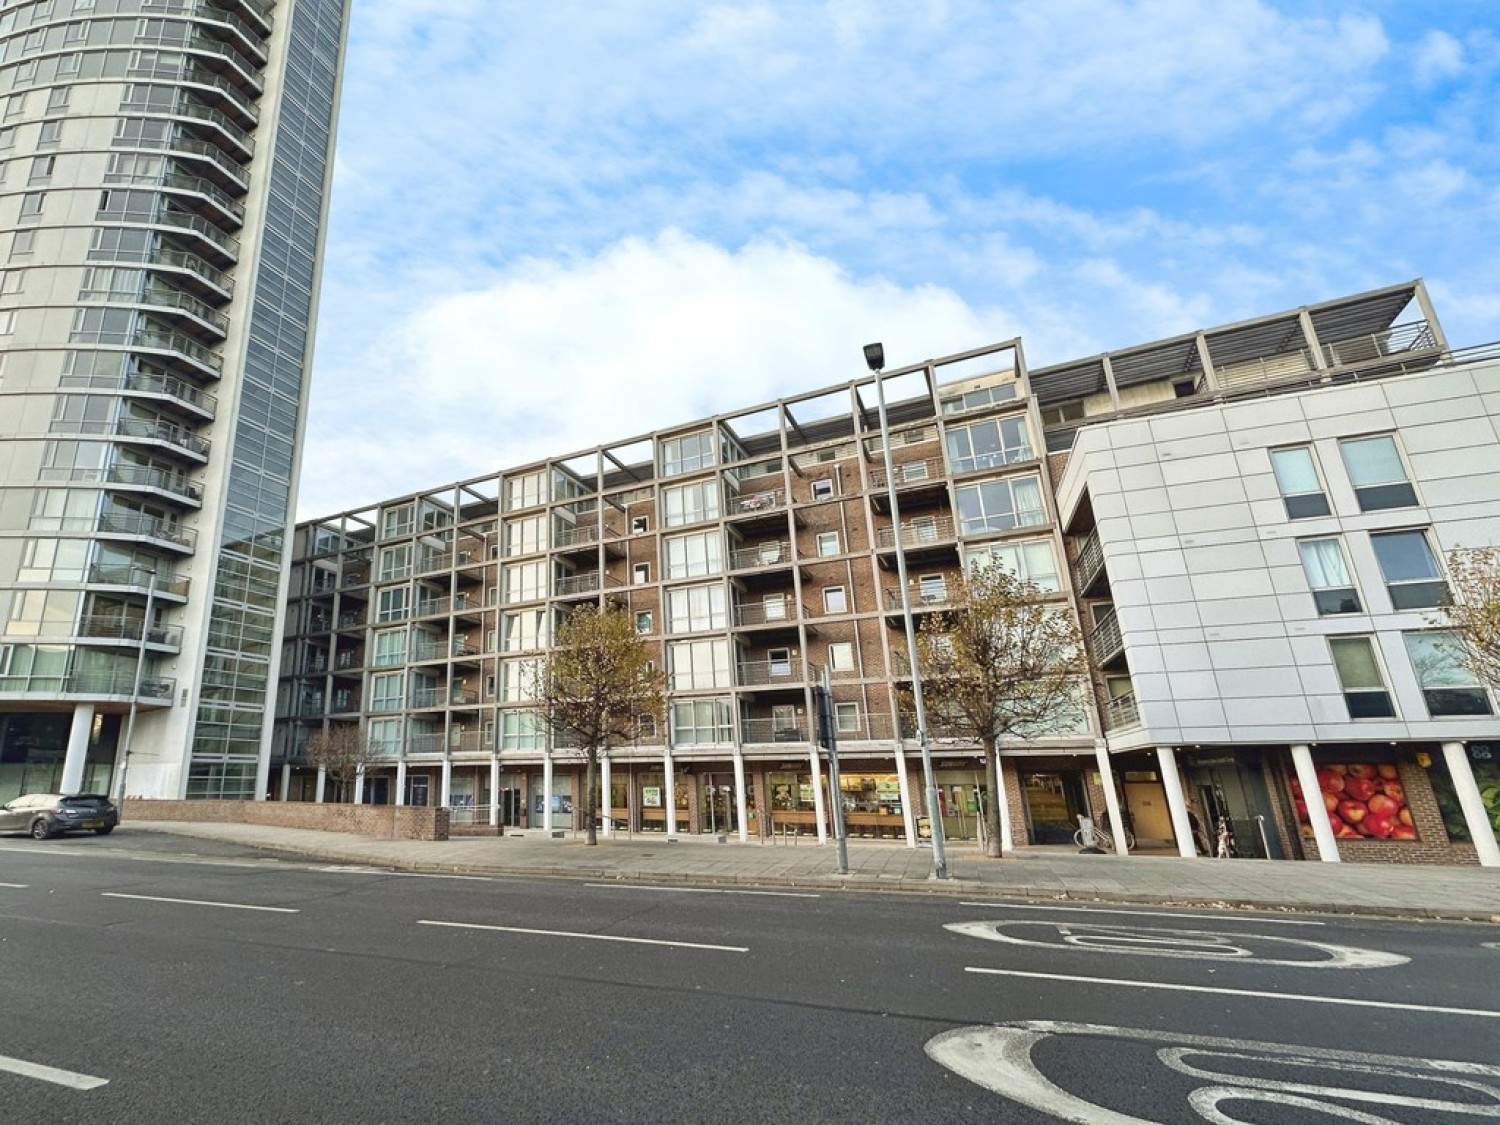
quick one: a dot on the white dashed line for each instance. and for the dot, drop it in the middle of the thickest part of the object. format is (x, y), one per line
(588, 937)
(1227, 917)
(69, 1078)
(202, 902)
(14, 886)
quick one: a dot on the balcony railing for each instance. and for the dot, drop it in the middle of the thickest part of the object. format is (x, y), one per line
(198, 9)
(138, 577)
(923, 596)
(574, 584)
(748, 503)
(781, 673)
(917, 533)
(126, 629)
(1105, 641)
(775, 730)
(158, 429)
(154, 690)
(172, 259)
(994, 459)
(149, 476)
(1122, 712)
(910, 474)
(175, 342)
(781, 611)
(1090, 560)
(233, 170)
(151, 527)
(428, 699)
(777, 553)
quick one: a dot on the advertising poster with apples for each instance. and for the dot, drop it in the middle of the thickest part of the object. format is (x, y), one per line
(1362, 802)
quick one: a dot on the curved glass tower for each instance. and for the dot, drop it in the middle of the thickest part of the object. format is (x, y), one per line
(164, 169)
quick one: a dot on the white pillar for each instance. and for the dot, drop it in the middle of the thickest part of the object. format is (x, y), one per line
(669, 791)
(1317, 812)
(1111, 798)
(322, 785)
(547, 791)
(903, 784)
(741, 798)
(1007, 835)
(820, 809)
(495, 791)
(447, 783)
(359, 786)
(401, 782)
(78, 747)
(604, 783)
(1472, 804)
(286, 780)
(1171, 781)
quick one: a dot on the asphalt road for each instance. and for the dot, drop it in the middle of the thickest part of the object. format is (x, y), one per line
(180, 980)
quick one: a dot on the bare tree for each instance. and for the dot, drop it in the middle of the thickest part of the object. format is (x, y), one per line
(343, 752)
(1473, 612)
(1001, 662)
(594, 685)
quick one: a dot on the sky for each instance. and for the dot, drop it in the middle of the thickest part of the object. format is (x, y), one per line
(565, 224)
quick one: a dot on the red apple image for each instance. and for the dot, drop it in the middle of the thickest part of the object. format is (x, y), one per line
(1331, 801)
(1393, 789)
(1359, 788)
(1346, 833)
(1363, 770)
(1382, 805)
(1330, 782)
(1380, 827)
(1404, 818)
(1403, 832)
(1301, 808)
(1353, 811)
(1388, 772)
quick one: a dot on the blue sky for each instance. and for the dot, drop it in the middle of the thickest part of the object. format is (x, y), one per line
(564, 224)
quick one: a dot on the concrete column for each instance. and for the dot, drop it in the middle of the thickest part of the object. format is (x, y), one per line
(669, 791)
(604, 782)
(78, 747)
(447, 800)
(359, 786)
(401, 782)
(1312, 795)
(1472, 804)
(286, 780)
(1007, 834)
(741, 798)
(1111, 798)
(495, 791)
(820, 807)
(322, 786)
(908, 814)
(1176, 804)
(547, 791)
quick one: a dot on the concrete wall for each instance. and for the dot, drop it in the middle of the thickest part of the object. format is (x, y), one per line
(385, 822)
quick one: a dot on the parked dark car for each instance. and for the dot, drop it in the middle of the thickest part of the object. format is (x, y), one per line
(51, 814)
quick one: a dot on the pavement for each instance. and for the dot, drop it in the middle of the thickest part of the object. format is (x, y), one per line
(1389, 890)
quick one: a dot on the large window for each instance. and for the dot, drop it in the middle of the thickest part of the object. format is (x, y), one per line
(690, 503)
(390, 647)
(1448, 684)
(385, 736)
(524, 582)
(396, 522)
(525, 536)
(1000, 505)
(696, 555)
(1328, 576)
(526, 490)
(1298, 482)
(989, 444)
(523, 632)
(696, 665)
(393, 604)
(386, 691)
(522, 730)
(697, 609)
(699, 722)
(1376, 471)
(517, 679)
(1033, 561)
(1410, 567)
(395, 563)
(684, 454)
(1359, 675)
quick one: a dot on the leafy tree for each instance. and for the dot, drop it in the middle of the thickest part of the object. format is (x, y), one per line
(1474, 610)
(594, 686)
(1002, 661)
(343, 753)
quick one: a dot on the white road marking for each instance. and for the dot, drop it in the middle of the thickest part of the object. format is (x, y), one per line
(698, 890)
(589, 937)
(1481, 1013)
(202, 902)
(69, 1078)
(1192, 944)
(1226, 917)
(16, 886)
(349, 869)
(1489, 945)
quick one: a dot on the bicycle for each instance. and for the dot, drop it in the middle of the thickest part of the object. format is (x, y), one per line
(1104, 840)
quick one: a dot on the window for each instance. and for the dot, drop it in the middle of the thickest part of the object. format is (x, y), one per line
(989, 444)
(690, 503)
(1448, 683)
(33, 42)
(390, 647)
(697, 665)
(7, 321)
(643, 621)
(828, 544)
(49, 136)
(392, 604)
(835, 600)
(684, 454)
(15, 106)
(932, 589)
(523, 632)
(57, 99)
(8, 135)
(779, 662)
(698, 722)
(1000, 505)
(521, 730)
(639, 525)
(525, 491)
(691, 556)
(640, 574)
(645, 728)
(22, 244)
(1328, 576)
(1033, 562)
(822, 489)
(1376, 471)
(1412, 574)
(525, 536)
(1359, 674)
(395, 562)
(385, 736)
(984, 396)
(774, 607)
(41, 169)
(386, 691)
(523, 582)
(695, 609)
(32, 204)
(846, 715)
(396, 522)
(841, 656)
(1298, 482)
(1058, 413)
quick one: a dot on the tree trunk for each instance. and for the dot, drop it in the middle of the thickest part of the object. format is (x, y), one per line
(992, 840)
(590, 798)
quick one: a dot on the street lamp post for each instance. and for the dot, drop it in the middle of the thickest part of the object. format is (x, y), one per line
(875, 359)
(135, 689)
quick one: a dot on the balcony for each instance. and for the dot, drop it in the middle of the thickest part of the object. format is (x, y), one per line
(174, 484)
(994, 459)
(250, 39)
(138, 578)
(775, 553)
(775, 730)
(169, 346)
(354, 619)
(457, 605)
(1106, 645)
(440, 648)
(924, 596)
(579, 585)
(181, 440)
(584, 538)
(770, 673)
(109, 628)
(233, 171)
(776, 613)
(148, 527)
(349, 660)
(1090, 567)
(918, 483)
(186, 267)
(746, 510)
(1122, 712)
(437, 698)
(154, 691)
(930, 531)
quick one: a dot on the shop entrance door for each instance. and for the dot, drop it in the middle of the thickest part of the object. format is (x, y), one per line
(510, 808)
(1234, 790)
(1054, 802)
(719, 808)
(417, 790)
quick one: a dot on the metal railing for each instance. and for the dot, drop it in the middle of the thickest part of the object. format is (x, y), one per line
(574, 584)
(138, 577)
(182, 347)
(1121, 711)
(149, 476)
(198, 9)
(917, 533)
(157, 429)
(778, 612)
(1105, 641)
(153, 690)
(775, 553)
(911, 474)
(748, 503)
(757, 673)
(1090, 560)
(923, 596)
(775, 730)
(127, 629)
(996, 459)
(174, 259)
(180, 143)
(151, 527)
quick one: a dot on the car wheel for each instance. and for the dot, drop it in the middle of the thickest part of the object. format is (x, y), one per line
(40, 829)
(105, 831)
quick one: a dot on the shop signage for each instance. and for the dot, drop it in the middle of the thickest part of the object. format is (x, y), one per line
(651, 796)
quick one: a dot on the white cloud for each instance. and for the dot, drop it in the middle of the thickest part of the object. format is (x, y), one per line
(1438, 56)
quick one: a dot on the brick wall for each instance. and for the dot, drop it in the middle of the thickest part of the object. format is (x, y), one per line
(384, 822)
(1432, 845)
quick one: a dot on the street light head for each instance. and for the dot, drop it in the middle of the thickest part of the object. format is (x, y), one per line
(875, 356)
